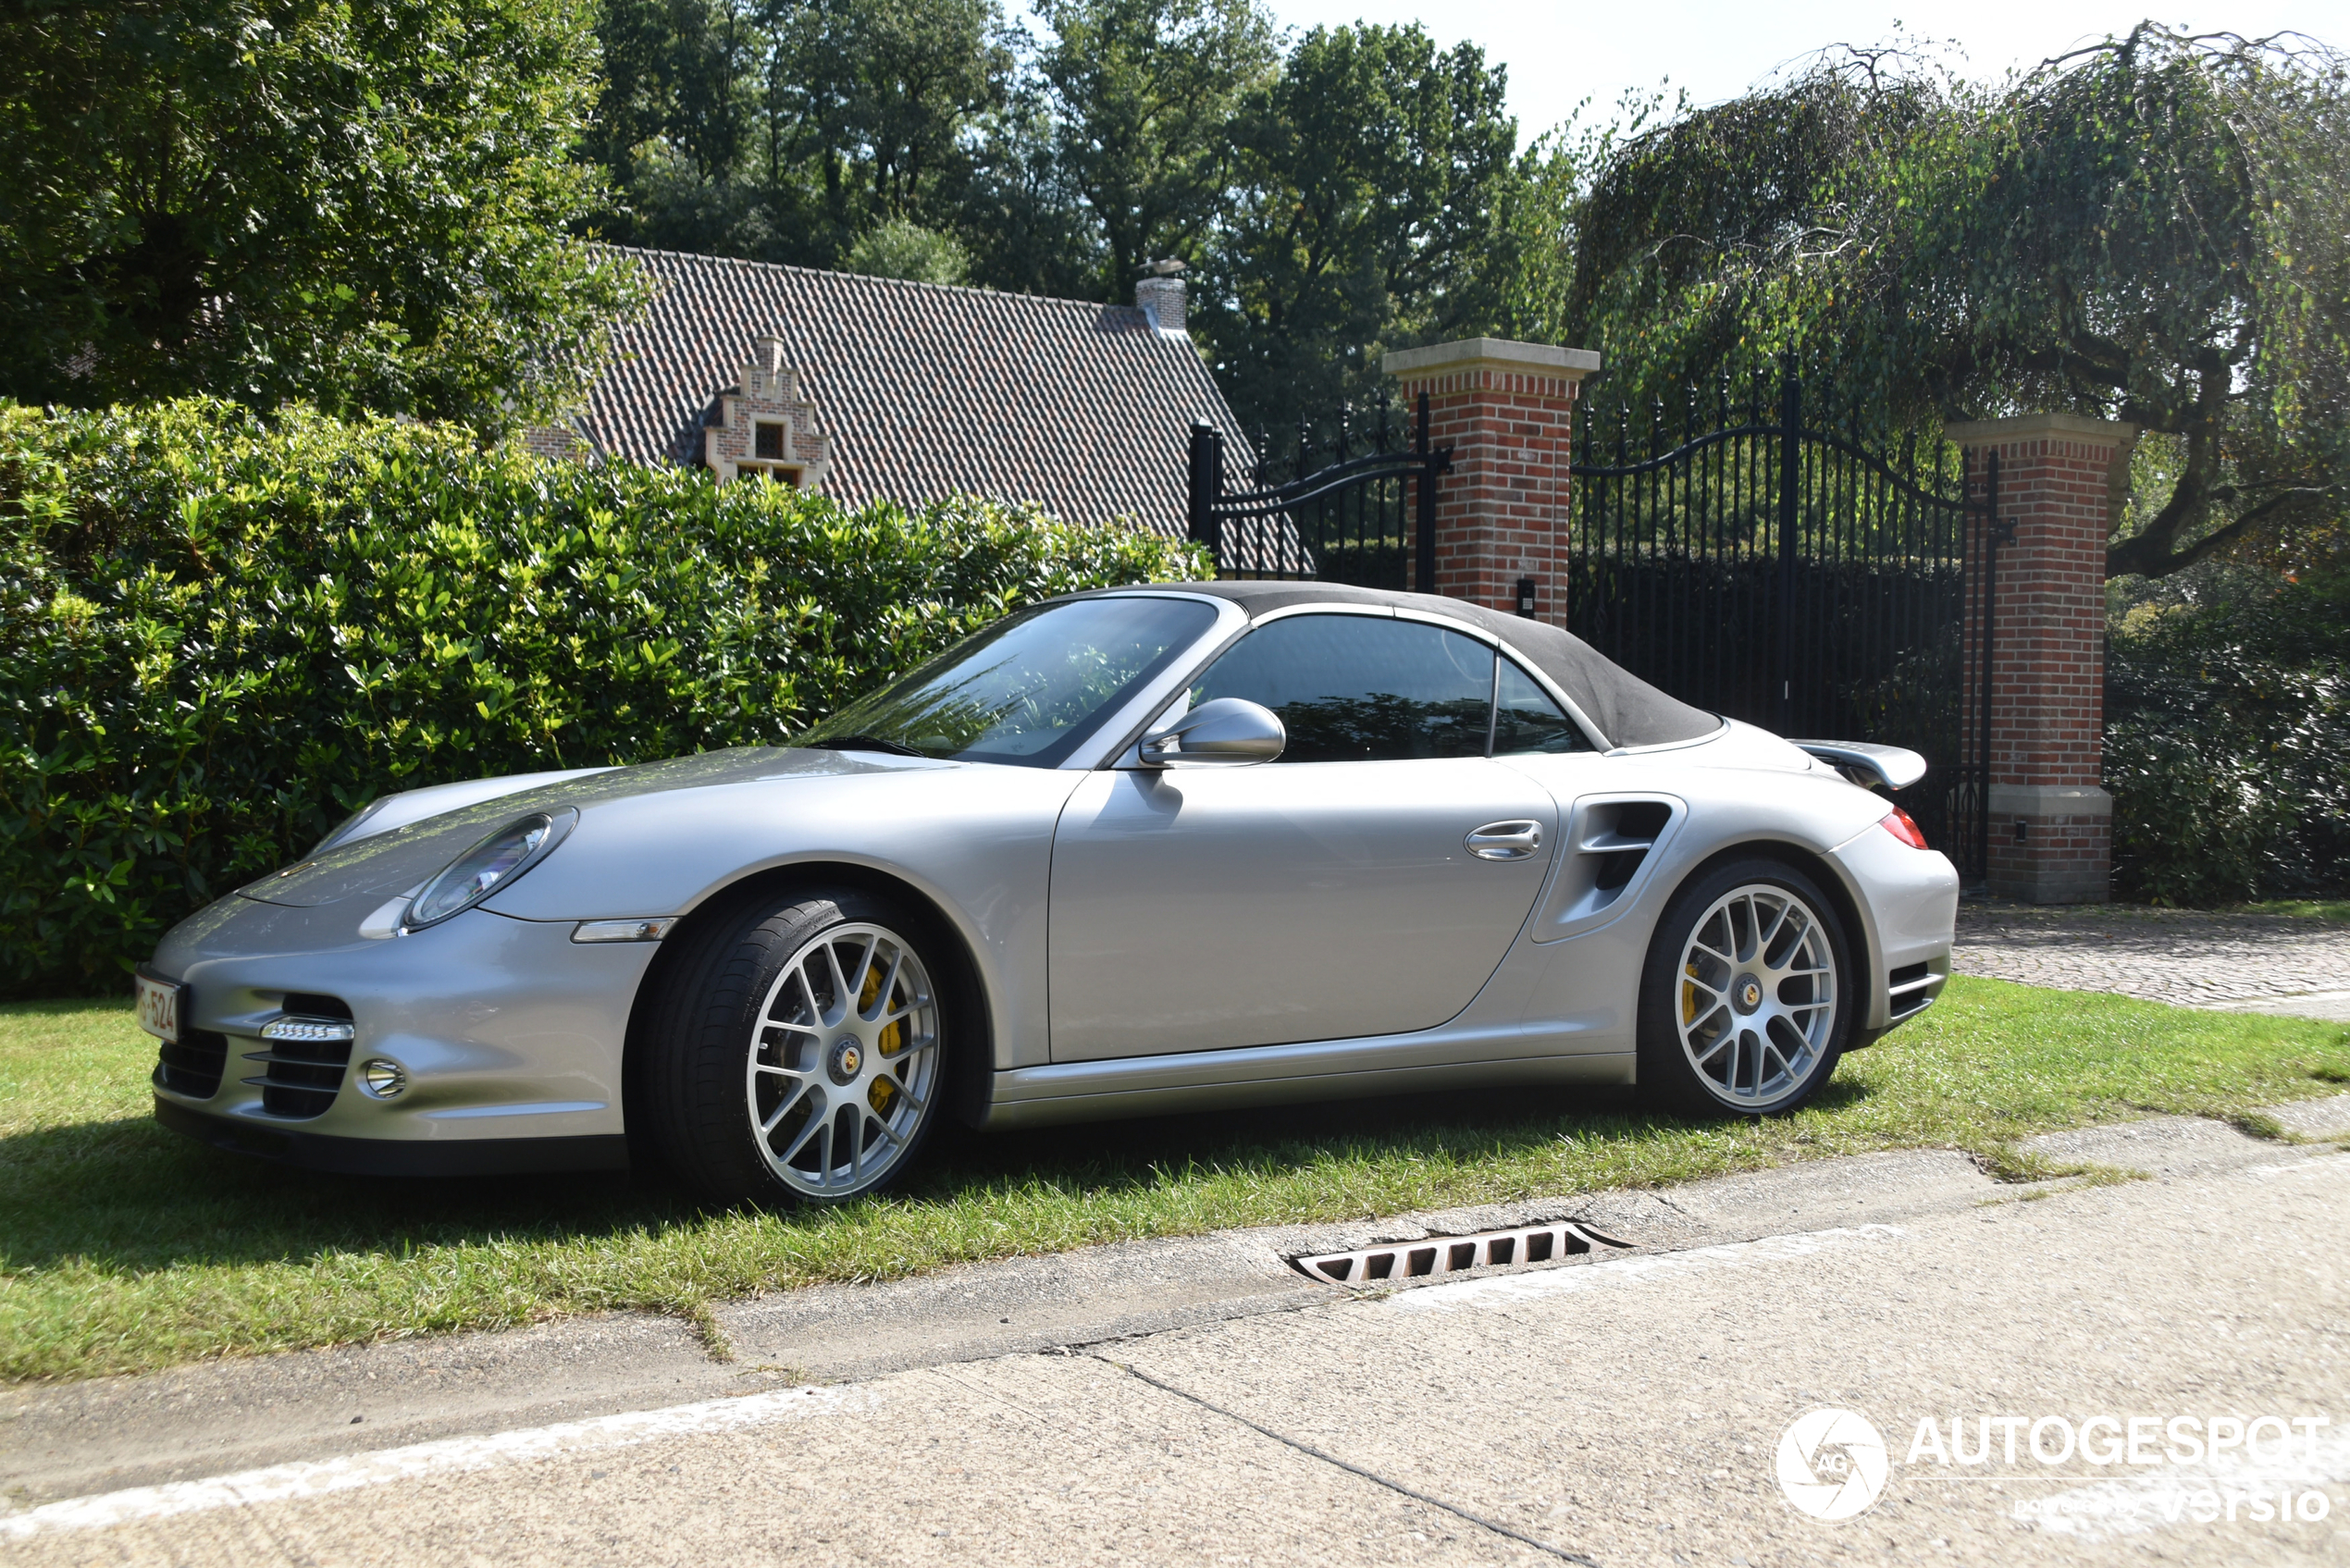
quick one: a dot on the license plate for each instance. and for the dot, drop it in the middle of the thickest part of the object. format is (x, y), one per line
(159, 1007)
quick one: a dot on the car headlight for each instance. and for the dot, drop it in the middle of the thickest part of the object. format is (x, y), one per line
(489, 865)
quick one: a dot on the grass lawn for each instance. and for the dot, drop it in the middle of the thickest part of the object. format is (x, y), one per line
(125, 1248)
(2305, 908)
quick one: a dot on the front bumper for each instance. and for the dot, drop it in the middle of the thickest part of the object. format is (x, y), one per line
(510, 1035)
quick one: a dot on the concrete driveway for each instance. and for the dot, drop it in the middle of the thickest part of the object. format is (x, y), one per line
(1630, 1406)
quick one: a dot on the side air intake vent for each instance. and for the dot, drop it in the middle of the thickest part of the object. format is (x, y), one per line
(1611, 841)
(309, 1049)
(193, 1065)
(1624, 843)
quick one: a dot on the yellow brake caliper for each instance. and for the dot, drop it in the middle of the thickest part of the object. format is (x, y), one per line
(884, 1093)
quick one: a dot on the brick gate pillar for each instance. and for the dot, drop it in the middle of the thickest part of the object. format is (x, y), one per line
(2051, 822)
(1506, 410)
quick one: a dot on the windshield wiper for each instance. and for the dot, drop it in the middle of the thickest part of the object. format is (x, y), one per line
(863, 743)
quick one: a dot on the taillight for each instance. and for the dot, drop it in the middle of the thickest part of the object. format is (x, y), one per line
(1898, 822)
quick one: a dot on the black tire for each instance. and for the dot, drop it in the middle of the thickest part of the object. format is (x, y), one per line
(748, 1025)
(1755, 1046)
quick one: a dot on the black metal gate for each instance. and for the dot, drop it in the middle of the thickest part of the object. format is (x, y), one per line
(1354, 521)
(1780, 572)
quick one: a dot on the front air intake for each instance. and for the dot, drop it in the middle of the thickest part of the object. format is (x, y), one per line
(193, 1063)
(309, 1050)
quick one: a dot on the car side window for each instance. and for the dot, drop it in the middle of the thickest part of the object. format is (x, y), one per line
(1361, 689)
(1526, 718)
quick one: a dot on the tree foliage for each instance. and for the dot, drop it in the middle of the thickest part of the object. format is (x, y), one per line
(1335, 193)
(2156, 229)
(359, 205)
(220, 634)
(2226, 741)
(789, 130)
(1145, 96)
(901, 248)
(1371, 172)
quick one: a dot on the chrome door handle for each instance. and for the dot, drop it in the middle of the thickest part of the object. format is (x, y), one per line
(1505, 841)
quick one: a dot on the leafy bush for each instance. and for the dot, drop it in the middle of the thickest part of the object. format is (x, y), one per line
(2227, 742)
(220, 635)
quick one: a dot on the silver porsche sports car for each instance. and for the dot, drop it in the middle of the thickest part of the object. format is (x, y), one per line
(1137, 851)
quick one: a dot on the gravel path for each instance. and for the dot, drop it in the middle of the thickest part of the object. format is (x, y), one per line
(2244, 963)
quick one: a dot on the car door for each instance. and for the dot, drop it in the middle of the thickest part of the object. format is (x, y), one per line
(1329, 894)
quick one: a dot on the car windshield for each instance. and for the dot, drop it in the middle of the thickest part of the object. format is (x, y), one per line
(1028, 689)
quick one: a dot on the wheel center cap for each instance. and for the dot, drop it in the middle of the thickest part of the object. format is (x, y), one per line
(1747, 994)
(846, 1057)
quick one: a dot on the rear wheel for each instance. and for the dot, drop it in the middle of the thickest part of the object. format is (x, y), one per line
(801, 1052)
(1746, 1002)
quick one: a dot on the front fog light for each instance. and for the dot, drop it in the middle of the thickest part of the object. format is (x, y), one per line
(383, 1078)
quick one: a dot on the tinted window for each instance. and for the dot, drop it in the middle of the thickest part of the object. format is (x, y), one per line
(1027, 689)
(1525, 719)
(1358, 688)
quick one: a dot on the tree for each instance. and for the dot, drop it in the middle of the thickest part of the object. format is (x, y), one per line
(1026, 225)
(901, 248)
(2155, 230)
(1144, 93)
(1370, 175)
(363, 206)
(786, 130)
(676, 119)
(1528, 275)
(881, 97)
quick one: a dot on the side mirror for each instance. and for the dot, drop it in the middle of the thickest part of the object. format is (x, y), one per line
(1227, 733)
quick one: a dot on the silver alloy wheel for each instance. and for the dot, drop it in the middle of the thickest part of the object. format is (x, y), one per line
(844, 1065)
(1757, 995)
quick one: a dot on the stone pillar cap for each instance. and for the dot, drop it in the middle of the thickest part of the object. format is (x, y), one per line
(2025, 426)
(1524, 359)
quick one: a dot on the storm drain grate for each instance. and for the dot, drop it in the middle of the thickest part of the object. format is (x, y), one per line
(1450, 1254)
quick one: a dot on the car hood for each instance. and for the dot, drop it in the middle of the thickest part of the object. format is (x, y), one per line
(390, 864)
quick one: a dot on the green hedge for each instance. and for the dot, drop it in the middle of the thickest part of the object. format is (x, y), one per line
(220, 634)
(2227, 742)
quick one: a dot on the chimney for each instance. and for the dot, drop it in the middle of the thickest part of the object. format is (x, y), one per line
(1160, 294)
(765, 368)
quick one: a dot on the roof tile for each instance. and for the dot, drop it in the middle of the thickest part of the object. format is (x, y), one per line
(927, 390)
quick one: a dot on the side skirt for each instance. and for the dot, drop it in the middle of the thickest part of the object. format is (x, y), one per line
(1139, 1086)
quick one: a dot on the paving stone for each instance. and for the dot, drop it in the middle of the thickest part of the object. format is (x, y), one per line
(2263, 963)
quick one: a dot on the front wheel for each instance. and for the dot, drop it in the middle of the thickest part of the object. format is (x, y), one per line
(800, 1051)
(1746, 999)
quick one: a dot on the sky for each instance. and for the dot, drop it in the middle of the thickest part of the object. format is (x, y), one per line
(1561, 52)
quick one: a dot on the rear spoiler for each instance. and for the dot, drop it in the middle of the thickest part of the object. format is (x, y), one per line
(1871, 767)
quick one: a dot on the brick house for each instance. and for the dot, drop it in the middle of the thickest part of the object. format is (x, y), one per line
(872, 387)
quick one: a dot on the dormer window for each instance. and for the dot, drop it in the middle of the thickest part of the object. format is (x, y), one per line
(764, 429)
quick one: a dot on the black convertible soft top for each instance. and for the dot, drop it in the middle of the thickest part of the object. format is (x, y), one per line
(1627, 709)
